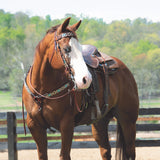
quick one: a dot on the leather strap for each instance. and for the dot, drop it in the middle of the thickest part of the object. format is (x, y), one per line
(63, 35)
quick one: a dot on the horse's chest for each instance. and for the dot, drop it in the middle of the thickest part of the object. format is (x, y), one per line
(54, 113)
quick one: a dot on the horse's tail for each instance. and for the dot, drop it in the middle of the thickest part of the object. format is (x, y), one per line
(120, 146)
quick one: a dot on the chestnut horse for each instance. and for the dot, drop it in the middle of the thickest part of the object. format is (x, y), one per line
(53, 94)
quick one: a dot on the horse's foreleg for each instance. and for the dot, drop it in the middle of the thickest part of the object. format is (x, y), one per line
(66, 128)
(100, 134)
(40, 137)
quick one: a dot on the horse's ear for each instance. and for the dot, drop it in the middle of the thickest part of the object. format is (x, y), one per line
(76, 25)
(63, 26)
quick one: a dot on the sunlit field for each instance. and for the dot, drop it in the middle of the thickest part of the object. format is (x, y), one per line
(8, 102)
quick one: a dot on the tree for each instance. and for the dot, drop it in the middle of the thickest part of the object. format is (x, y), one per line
(136, 43)
(117, 32)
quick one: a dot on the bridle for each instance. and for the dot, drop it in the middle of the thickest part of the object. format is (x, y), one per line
(57, 38)
(52, 95)
(68, 67)
(38, 97)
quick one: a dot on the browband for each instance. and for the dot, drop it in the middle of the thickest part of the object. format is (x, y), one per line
(68, 34)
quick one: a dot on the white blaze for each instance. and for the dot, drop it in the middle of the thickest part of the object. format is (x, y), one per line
(82, 76)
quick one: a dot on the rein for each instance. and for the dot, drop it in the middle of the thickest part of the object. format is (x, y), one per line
(47, 95)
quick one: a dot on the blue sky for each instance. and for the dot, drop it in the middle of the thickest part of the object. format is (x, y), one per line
(109, 10)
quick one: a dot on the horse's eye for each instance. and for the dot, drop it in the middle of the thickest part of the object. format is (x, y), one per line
(67, 49)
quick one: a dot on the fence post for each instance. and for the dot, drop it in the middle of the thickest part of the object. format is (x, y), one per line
(12, 136)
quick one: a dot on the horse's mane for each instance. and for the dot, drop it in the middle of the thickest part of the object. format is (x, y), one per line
(53, 29)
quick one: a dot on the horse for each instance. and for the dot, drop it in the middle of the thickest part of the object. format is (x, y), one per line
(54, 89)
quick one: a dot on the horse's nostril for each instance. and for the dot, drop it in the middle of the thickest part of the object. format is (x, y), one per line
(84, 80)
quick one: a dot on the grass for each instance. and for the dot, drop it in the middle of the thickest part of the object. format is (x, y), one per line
(150, 103)
(9, 103)
(30, 141)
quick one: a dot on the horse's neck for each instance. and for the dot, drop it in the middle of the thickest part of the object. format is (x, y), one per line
(44, 78)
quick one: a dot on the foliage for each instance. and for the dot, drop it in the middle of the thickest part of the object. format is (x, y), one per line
(136, 42)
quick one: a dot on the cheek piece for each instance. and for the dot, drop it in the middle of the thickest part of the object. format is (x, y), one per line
(67, 65)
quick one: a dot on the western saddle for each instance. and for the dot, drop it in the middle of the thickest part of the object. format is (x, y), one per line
(106, 65)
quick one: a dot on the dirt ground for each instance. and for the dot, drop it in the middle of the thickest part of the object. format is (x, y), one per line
(143, 153)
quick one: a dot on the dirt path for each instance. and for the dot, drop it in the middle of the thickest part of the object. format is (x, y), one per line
(143, 153)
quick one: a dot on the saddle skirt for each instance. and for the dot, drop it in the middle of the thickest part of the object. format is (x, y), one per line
(94, 58)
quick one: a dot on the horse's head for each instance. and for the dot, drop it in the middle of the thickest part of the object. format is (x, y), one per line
(68, 53)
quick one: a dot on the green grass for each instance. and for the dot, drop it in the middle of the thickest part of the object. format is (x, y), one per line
(32, 141)
(9, 103)
(152, 103)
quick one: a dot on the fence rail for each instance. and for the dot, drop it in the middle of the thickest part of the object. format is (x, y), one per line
(148, 120)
